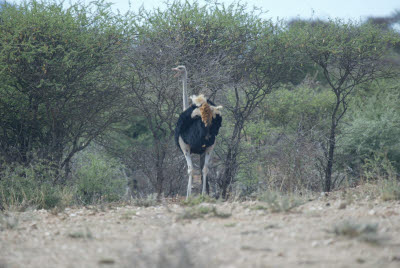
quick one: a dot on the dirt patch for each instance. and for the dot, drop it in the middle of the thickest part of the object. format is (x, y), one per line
(160, 236)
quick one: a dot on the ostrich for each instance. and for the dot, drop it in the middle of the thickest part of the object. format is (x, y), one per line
(197, 127)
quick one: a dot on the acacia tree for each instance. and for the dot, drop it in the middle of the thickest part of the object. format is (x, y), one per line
(232, 56)
(184, 34)
(58, 78)
(261, 60)
(348, 55)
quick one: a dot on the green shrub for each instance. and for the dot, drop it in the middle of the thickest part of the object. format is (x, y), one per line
(379, 167)
(32, 185)
(99, 178)
(373, 129)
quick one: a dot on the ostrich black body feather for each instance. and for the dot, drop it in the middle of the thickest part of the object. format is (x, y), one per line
(194, 132)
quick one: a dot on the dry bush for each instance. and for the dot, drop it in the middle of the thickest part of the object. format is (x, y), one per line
(366, 232)
(201, 212)
(146, 201)
(292, 164)
(278, 202)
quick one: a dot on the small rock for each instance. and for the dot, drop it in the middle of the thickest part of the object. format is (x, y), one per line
(324, 194)
(396, 258)
(106, 261)
(314, 244)
(342, 205)
(372, 212)
(360, 260)
(328, 242)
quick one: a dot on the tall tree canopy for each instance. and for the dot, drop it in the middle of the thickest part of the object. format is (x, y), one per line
(58, 78)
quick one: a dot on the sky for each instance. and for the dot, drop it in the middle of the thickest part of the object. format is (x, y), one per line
(288, 9)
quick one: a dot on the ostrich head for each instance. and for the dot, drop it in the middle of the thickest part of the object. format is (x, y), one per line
(180, 71)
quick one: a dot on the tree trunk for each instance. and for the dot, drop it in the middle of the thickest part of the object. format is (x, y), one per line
(230, 164)
(160, 180)
(329, 164)
(230, 170)
(160, 154)
(331, 146)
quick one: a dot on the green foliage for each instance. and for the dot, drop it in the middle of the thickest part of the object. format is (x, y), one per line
(96, 179)
(67, 74)
(378, 167)
(99, 179)
(284, 138)
(287, 108)
(34, 185)
(347, 46)
(373, 129)
(56, 77)
(247, 177)
(348, 54)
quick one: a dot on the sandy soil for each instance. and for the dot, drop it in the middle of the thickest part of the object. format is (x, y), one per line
(159, 236)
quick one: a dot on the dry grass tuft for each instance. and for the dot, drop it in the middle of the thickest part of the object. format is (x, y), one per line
(201, 212)
(148, 201)
(8, 221)
(390, 189)
(366, 232)
(171, 253)
(274, 201)
(197, 200)
(85, 234)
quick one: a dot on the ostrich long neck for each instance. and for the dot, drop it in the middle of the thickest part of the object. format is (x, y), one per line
(185, 95)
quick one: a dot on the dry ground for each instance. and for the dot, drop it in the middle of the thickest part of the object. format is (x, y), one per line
(160, 236)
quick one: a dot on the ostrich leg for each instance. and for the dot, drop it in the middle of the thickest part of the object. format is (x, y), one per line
(190, 173)
(202, 158)
(208, 154)
(186, 151)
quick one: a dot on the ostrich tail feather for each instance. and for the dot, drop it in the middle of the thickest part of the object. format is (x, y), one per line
(206, 114)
